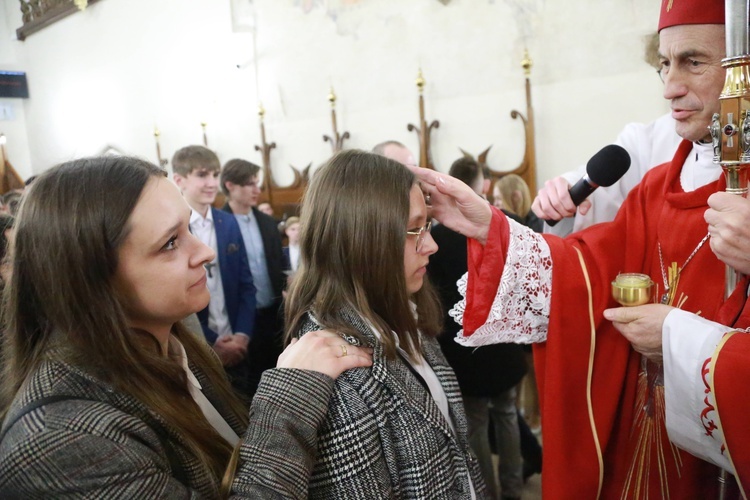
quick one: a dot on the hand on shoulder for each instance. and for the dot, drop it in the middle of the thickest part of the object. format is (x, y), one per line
(325, 352)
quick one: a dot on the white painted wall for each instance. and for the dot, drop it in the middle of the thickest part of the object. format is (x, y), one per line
(108, 75)
(13, 111)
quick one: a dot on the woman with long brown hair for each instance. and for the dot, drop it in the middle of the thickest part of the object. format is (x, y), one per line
(104, 393)
(398, 429)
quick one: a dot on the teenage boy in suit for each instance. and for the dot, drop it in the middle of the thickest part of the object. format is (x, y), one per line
(239, 182)
(228, 320)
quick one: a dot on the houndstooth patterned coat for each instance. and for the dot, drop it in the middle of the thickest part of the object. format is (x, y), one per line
(97, 442)
(384, 436)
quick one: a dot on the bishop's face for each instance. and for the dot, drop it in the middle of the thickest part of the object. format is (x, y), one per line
(690, 58)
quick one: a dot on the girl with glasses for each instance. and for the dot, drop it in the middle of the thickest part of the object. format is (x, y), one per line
(398, 428)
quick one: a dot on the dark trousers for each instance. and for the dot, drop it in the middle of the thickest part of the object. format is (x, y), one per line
(266, 344)
(240, 380)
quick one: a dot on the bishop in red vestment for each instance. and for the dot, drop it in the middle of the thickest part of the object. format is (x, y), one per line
(602, 402)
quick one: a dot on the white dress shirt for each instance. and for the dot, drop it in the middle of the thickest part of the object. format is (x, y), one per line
(294, 257)
(203, 229)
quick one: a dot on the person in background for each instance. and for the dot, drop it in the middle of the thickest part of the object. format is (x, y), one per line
(487, 182)
(398, 429)
(291, 251)
(239, 182)
(104, 394)
(266, 208)
(229, 319)
(512, 194)
(395, 151)
(487, 376)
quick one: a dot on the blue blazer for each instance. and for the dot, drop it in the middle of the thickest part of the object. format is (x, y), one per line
(275, 260)
(236, 279)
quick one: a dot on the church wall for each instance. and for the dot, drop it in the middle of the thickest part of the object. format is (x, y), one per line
(107, 76)
(12, 111)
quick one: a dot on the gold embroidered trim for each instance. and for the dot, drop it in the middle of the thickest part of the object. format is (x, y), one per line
(714, 358)
(597, 445)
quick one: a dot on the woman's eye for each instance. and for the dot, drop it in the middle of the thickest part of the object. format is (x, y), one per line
(171, 244)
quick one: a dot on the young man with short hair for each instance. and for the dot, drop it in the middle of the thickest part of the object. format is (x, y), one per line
(228, 321)
(239, 182)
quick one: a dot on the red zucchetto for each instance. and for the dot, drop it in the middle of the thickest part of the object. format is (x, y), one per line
(678, 12)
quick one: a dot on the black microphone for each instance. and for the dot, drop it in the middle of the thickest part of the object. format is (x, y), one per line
(603, 169)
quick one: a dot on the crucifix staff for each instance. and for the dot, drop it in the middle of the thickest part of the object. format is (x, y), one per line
(730, 128)
(337, 141)
(265, 151)
(423, 131)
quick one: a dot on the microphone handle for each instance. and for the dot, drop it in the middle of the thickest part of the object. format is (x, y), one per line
(578, 192)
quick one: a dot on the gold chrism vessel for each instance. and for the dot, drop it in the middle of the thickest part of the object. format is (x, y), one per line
(632, 289)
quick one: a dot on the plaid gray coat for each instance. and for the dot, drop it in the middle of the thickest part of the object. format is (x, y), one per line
(384, 436)
(108, 445)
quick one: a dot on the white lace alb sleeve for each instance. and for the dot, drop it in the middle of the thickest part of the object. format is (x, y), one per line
(520, 310)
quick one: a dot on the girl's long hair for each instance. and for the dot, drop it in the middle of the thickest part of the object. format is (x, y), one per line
(61, 303)
(354, 217)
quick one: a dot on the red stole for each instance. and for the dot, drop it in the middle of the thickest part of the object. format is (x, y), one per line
(587, 379)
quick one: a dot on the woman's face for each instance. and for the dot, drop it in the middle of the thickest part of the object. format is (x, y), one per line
(415, 263)
(497, 199)
(292, 232)
(160, 273)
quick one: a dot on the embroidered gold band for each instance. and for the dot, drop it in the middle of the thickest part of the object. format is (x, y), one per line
(714, 358)
(594, 434)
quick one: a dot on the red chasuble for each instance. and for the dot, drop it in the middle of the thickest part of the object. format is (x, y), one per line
(598, 439)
